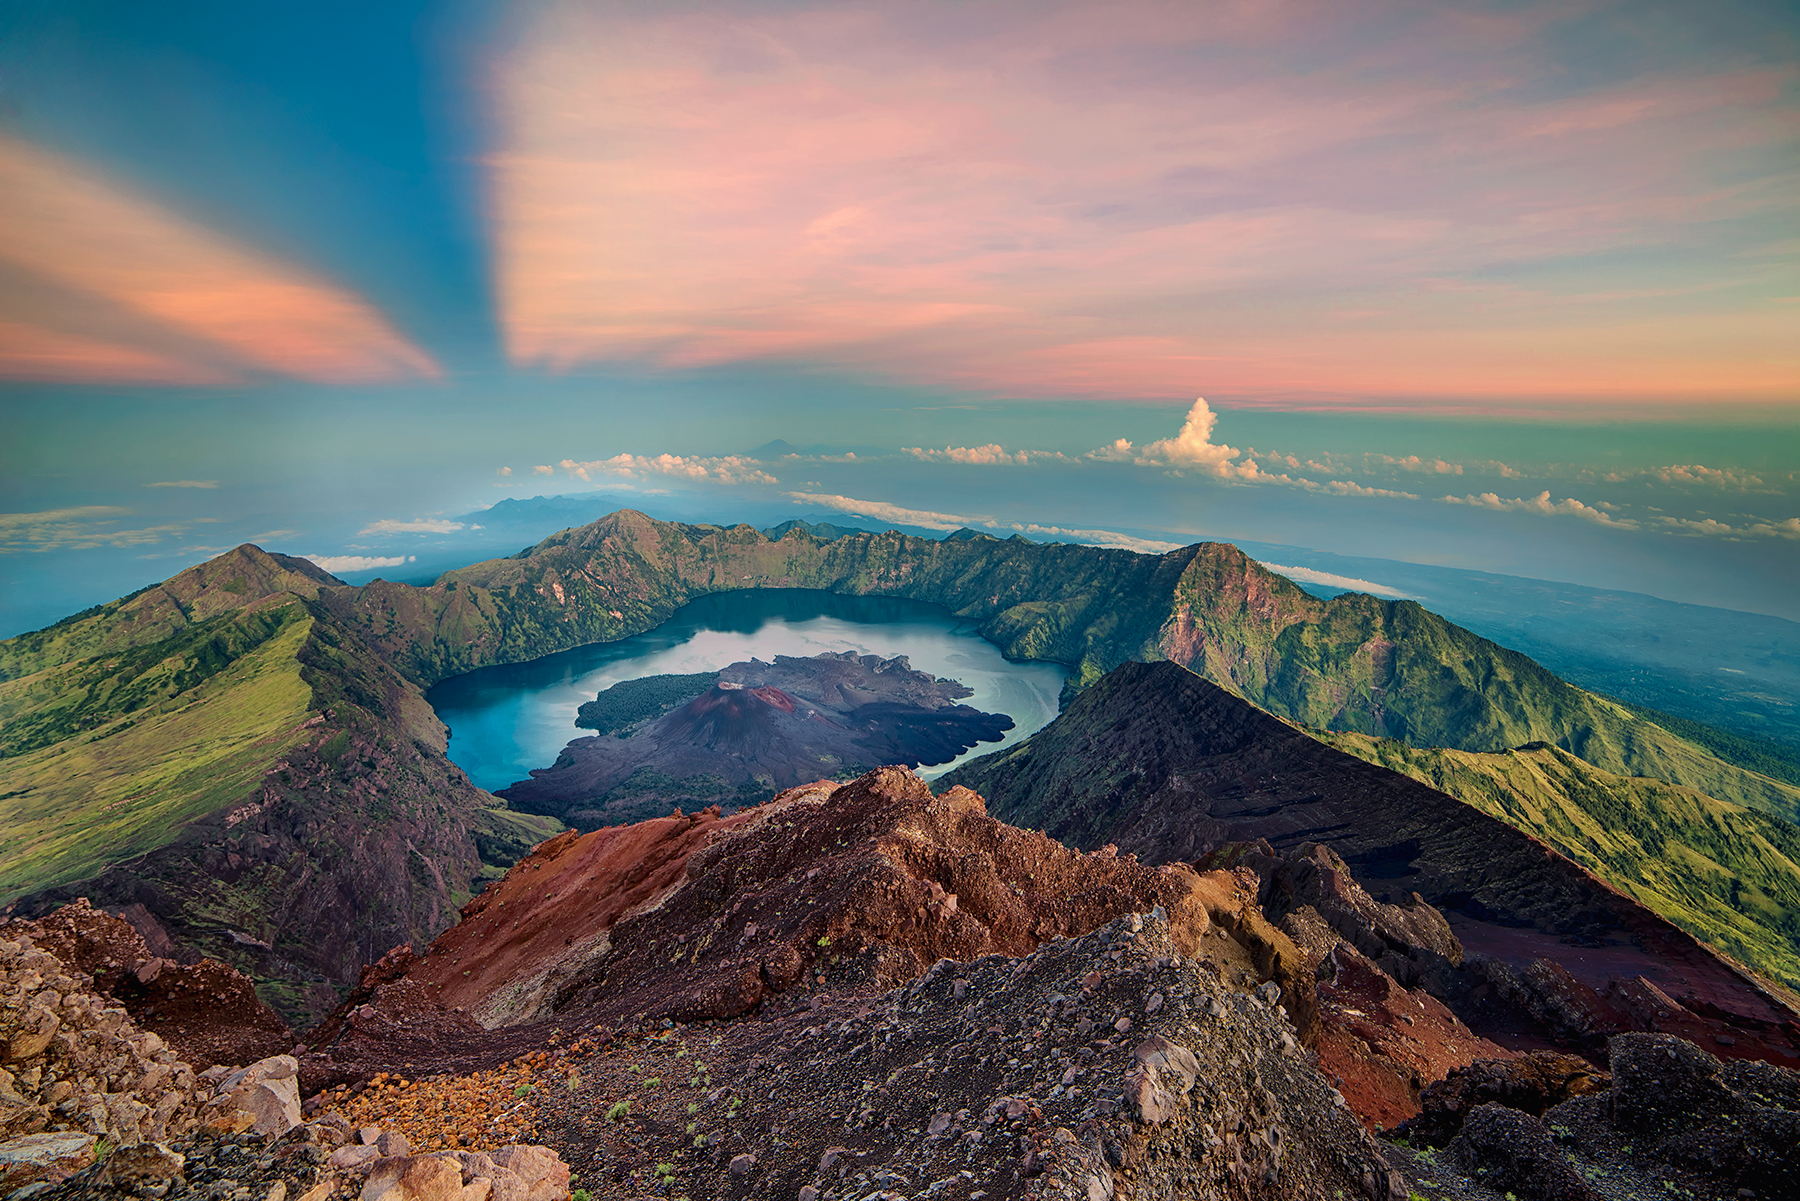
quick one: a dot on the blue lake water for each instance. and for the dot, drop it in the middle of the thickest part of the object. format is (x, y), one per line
(504, 721)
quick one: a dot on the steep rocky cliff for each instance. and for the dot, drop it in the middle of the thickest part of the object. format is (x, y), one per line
(1174, 768)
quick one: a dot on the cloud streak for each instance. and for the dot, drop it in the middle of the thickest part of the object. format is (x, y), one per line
(80, 527)
(726, 469)
(420, 525)
(207, 306)
(1330, 579)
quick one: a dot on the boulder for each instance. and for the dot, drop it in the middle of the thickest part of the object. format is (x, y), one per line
(1737, 1119)
(1515, 1153)
(32, 1158)
(268, 1091)
(541, 1170)
(143, 1170)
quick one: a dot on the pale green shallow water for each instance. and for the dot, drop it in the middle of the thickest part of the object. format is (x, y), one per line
(504, 721)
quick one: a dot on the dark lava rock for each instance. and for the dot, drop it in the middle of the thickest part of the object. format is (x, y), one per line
(1531, 1083)
(1737, 1118)
(1514, 1152)
(1051, 1076)
(755, 729)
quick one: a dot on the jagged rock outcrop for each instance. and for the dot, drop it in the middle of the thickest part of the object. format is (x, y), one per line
(72, 1062)
(87, 1094)
(1530, 1083)
(854, 886)
(206, 1011)
(1174, 768)
(1109, 1064)
(1675, 1122)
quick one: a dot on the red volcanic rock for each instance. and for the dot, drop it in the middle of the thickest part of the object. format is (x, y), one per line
(1383, 1044)
(523, 938)
(851, 888)
(206, 1010)
(865, 886)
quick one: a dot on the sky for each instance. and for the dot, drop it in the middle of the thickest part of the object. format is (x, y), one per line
(1502, 285)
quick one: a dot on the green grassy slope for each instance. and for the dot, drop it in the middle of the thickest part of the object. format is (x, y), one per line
(218, 751)
(130, 755)
(1725, 873)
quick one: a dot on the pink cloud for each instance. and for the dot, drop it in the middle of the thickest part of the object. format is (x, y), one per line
(1128, 200)
(215, 304)
(34, 352)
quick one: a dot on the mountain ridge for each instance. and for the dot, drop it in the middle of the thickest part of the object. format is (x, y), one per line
(339, 684)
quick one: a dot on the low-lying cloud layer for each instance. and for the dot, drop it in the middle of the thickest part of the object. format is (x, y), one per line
(338, 564)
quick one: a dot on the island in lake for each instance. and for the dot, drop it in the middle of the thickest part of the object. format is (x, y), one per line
(736, 736)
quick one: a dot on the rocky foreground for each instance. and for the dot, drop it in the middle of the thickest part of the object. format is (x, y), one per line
(865, 992)
(94, 1105)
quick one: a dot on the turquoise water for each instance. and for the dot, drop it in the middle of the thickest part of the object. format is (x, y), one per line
(504, 721)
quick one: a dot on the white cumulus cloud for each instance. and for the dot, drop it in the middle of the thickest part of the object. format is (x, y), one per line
(421, 525)
(338, 564)
(1346, 488)
(1545, 506)
(726, 469)
(1785, 528)
(1192, 449)
(990, 455)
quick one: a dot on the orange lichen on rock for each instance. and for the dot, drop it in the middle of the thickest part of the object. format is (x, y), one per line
(487, 1108)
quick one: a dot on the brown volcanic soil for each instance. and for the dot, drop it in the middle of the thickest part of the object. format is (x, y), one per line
(206, 1011)
(553, 913)
(759, 728)
(1170, 766)
(857, 886)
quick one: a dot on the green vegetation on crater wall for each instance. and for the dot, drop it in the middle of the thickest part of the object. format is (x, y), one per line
(1726, 874)
(121, 787)
(118, 747)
